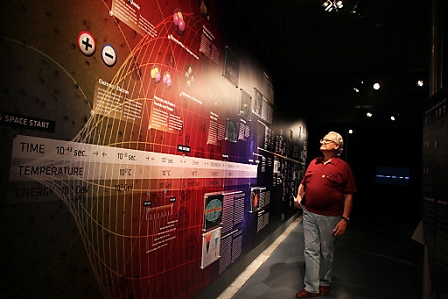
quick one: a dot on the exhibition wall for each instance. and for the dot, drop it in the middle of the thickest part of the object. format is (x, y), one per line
(434, 229)
(140, 153)
(435, 190)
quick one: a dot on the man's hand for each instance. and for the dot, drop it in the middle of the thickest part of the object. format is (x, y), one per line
(296, 202)
(340, 228)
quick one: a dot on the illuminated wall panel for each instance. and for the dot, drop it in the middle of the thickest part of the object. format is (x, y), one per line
(140, 157)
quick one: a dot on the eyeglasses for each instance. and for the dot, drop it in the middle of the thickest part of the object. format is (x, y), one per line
(326, 141)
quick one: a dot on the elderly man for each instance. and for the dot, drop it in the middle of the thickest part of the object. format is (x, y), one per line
(326, 197)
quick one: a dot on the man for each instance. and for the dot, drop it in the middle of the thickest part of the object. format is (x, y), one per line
(329, 186)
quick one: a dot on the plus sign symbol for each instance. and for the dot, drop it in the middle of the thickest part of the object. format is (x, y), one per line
(86, 43)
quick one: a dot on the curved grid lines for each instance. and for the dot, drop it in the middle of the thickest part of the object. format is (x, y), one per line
(107, 124)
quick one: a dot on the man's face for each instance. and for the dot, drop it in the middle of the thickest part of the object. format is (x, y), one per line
(329, 143)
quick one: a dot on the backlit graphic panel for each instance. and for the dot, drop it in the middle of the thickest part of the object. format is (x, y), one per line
(127, 149)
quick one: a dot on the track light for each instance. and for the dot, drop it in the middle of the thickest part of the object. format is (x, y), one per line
(329, 5)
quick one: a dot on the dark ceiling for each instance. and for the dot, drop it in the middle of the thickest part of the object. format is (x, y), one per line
(319, 58)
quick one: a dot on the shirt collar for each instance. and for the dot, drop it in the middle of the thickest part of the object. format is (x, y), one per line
(333, 161)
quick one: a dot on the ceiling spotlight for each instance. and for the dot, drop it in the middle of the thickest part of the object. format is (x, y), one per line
(376, 86)
(420, 83)
(350, 131)
(392, 118)
(329, 5)
(369, 114)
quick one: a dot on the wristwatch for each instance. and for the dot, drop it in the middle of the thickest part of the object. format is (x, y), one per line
(346, 219)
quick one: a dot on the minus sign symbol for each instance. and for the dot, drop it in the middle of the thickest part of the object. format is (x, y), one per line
(109, 55)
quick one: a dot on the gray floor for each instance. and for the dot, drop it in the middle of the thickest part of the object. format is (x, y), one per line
(373, 260)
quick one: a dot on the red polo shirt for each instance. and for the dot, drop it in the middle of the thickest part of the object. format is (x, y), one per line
(325, 186)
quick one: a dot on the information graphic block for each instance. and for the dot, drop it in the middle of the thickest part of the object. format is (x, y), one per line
(211, 243)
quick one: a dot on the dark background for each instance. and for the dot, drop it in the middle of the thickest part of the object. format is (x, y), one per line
(317, 58)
